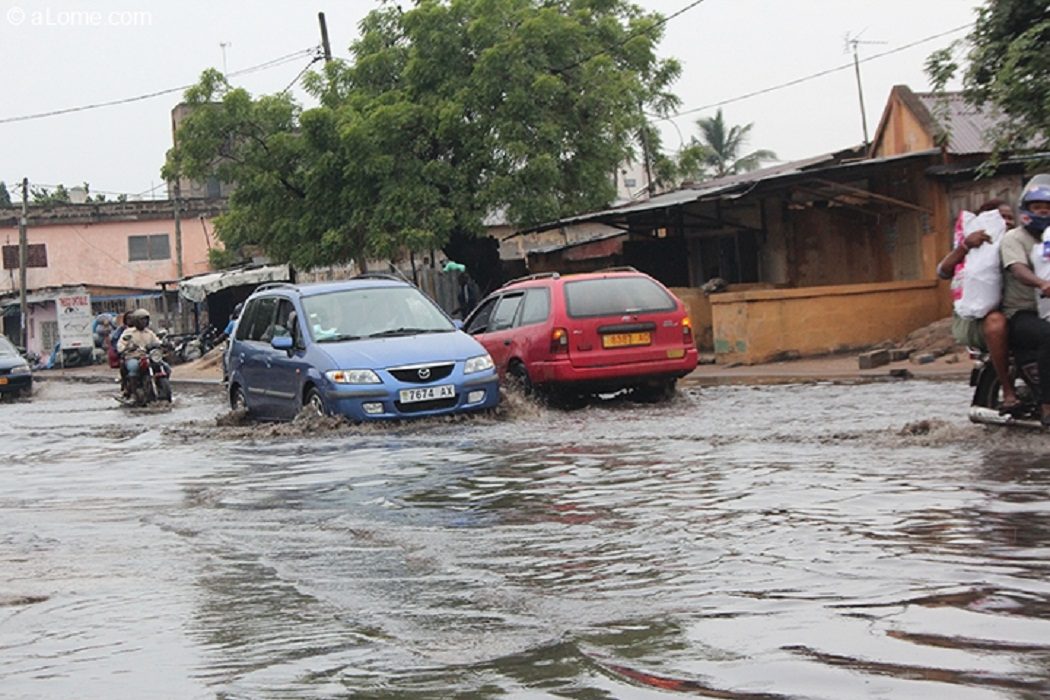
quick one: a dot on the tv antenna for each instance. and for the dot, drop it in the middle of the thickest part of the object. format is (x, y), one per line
(223, 45)
(851, 46)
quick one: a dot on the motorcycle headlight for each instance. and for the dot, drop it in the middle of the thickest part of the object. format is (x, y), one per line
(478, 364)
(353, 376)
(156, 355)
(20, 369)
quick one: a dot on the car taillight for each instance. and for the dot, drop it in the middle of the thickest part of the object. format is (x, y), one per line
(559, 341)
(687, 331)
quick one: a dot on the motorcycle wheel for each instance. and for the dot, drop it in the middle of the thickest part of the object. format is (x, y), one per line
(163, 389)
(149, 392)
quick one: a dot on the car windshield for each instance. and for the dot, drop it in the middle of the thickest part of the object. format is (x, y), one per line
(374, 312)
(7, 349)
(609, 296)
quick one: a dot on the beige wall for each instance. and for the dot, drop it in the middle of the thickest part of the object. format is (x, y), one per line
(756, 326)
(97, 253)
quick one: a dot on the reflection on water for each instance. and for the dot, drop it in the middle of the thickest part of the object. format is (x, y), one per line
(771, 542)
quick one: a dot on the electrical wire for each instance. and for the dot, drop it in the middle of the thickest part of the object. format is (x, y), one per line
(138, 98)
(814, 76)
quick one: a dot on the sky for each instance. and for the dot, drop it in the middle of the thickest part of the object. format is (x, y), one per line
(61, 54)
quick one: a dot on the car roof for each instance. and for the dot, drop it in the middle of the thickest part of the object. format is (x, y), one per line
(545, 279)
(310, 289)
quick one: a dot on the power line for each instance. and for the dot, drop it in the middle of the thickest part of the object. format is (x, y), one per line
(262, 66)
(820, 74)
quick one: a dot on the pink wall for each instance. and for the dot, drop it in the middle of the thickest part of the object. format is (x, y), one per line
(96, 253)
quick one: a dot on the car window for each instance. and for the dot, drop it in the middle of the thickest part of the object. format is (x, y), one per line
(503, 316)
(537, 306)
(479, 321)
(257, 320)
(373, 312)
(609, 296)
(285, 325)
(6, 348)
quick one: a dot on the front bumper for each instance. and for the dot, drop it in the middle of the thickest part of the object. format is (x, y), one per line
(351, 401)
(15, 383)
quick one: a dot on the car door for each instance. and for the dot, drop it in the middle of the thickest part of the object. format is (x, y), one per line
(500, 331)
(253, 352)
(287, 367)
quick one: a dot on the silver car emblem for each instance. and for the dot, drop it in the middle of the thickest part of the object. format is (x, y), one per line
(424, 373)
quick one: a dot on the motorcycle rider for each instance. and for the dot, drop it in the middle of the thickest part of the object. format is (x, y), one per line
(1027, 330)
(134, 342)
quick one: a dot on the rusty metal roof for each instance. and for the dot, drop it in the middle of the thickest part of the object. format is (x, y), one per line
(967, 125)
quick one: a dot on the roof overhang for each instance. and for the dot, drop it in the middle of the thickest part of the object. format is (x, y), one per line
(198, 288)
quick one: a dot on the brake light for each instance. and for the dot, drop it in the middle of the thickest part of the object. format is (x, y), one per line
(687, 331)
(559, 341)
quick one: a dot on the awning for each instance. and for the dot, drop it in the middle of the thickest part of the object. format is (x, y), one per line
(199, 287)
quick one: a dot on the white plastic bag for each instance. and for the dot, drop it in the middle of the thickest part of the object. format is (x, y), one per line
(982, 288)
(1041, 268)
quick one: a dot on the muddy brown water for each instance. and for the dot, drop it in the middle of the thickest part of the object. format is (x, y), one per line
(801, 541)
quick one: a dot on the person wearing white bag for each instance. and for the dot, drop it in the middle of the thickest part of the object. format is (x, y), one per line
(1027, 330)
(987, 331)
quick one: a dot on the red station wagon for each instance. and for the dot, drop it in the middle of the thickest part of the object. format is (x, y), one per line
(587, 333)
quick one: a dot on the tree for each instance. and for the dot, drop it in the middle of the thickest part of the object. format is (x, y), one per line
(5, 196)
(717, 152)
(447, 111)
(1007, 71)
(56, 195)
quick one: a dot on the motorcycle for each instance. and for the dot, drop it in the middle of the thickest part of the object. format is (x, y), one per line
(154, 380)
(987, 395)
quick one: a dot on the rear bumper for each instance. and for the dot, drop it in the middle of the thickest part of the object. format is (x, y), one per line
(614, 376)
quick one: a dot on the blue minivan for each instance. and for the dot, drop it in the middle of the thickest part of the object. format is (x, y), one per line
(371, 347)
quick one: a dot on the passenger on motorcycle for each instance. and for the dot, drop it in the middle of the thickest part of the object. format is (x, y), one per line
(134, 342)
(1027, 331)
(988, 333)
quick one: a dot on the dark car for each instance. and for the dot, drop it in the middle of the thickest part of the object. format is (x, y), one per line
(588, 333)
(369, 348)
(15, 375)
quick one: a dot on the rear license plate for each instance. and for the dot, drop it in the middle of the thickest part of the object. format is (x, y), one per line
(3, 380)
(622, 340)
(446, 391)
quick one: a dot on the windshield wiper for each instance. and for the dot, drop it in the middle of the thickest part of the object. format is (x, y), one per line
(390, 332)
(337, 338)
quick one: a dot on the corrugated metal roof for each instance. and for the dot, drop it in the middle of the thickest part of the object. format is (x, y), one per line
(967, 125)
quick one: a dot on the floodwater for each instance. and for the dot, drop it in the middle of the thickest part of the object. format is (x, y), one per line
(805, 541)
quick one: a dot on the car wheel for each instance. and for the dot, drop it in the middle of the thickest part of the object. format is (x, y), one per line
(237, 400)
(518, 379)
(314, 403)
(657, 392)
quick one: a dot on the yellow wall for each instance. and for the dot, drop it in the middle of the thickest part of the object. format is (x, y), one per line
(757, 326)
(698, 306)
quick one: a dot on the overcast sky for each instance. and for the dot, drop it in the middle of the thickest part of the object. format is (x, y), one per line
(62, 54)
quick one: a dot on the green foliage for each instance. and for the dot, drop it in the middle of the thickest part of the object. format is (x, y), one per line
(717, 152)
(58, 195)
(222, 258)
(445, 112)
(5, 196)
(1006, 70)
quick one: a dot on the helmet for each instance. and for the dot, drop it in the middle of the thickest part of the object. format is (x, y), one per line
(139, 313)
(1037, 190)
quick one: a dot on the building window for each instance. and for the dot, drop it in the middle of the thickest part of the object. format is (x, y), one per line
(150, 247)
(36, 256)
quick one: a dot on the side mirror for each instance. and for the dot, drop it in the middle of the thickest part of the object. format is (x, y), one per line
(283, 342)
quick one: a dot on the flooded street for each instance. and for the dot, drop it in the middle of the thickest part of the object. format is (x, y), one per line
(804, 541)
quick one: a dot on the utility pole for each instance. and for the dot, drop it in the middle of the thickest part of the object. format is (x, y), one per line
(223, 45)
(325, 46)
(851, 44)
(178, 230)
(23, 246)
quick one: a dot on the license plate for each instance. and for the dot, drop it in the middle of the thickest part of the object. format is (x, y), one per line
(622, 340)
(446, 391)
(3, 380)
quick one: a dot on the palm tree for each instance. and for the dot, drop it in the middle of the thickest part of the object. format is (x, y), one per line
(717, 152)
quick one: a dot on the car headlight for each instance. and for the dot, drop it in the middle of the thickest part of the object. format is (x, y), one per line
(20, 369)
(478, 364)
(353, 376)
